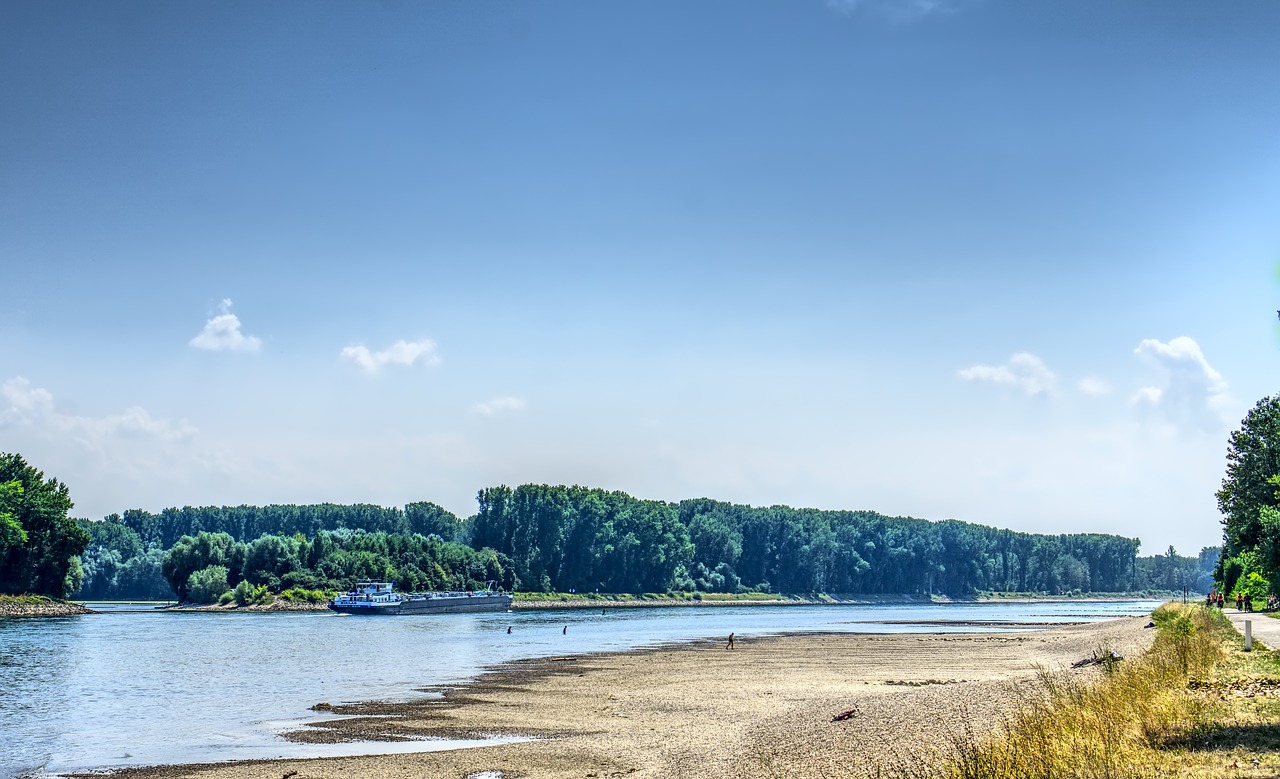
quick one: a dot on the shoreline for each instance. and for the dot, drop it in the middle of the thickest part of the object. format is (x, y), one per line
(20, 608)
(602, 603)
(696, 710)
(828, 600)
(284, 607)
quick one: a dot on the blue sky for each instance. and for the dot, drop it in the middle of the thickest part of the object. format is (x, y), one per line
(1012, 263)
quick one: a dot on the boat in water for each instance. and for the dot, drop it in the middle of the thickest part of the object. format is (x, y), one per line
(371, 597)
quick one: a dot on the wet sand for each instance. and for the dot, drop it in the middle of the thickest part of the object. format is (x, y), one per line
(764, 709)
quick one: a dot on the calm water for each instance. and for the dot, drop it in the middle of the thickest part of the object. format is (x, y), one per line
(136, 688)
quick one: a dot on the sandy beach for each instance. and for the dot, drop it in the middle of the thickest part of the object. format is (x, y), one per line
(764, 709)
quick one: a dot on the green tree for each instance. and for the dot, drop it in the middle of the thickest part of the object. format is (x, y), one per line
(36, 556)
(270, 558)
(1253, 458)
(207, 584)
(111, 546)
(429, 519)
(11, 532)
(194, 553)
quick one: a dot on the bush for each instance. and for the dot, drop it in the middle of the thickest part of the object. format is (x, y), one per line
(242, 593)
(301, 595)
(262, 596)
(245, 594)
(1255, 586)
(207, 584)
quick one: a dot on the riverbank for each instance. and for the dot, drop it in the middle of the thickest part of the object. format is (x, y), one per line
(38, 606)
(640, 602)
(537, 601)
(543, 602)
(764, 709)
(277, 605)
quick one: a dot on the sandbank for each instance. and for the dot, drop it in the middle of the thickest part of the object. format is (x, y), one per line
(764, 709)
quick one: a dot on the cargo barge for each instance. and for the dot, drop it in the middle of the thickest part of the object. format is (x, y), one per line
(370, 597)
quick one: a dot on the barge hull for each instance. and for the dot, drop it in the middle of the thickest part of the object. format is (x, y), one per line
(456, 605)
(463, 605)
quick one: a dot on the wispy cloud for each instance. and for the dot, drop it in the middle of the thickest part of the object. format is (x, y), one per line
(498, 405)
(1193, 390)
(1093, 387)
(1149, 395)
(1024, 371)
(222, 333)
(401, 353)
(29, 406)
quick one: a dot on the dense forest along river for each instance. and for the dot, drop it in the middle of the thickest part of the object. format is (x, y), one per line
(139, 688)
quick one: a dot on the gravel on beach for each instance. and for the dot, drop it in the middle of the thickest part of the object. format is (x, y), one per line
(764, 709)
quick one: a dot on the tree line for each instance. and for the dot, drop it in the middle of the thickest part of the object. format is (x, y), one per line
(561, 538)
(546, 538)
(246, 523)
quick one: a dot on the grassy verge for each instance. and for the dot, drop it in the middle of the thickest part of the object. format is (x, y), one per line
(1195, 705)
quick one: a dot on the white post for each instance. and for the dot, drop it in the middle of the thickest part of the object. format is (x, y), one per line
(1248, 635)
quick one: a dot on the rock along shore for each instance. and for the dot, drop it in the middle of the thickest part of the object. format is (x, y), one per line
(41, 607)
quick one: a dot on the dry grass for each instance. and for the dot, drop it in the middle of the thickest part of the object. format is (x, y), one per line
(1194, 705)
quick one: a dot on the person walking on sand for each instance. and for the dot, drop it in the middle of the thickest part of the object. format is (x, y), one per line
(730, 644)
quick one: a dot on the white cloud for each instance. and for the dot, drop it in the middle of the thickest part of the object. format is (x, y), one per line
(1149, 395)
(1193, 391)
(222, 333)
(399, 353)
(496, 405)
(1093, 387)
(28, 406)
(1024, 370)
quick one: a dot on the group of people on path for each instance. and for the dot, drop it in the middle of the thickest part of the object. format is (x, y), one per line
(1244, 601)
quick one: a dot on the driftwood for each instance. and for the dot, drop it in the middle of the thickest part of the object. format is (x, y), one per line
(1098, 659)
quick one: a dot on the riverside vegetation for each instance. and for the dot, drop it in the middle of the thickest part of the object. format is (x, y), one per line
(1195, 705)
(555, 539)
(544, 539)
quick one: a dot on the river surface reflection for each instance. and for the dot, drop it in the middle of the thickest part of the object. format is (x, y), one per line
(144, 687)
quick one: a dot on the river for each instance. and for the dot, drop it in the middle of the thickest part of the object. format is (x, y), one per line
(124, 688)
